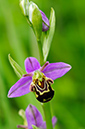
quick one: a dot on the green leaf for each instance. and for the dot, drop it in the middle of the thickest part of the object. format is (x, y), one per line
(37, 23)
(18, 70)
(34, 127)
(48, 36)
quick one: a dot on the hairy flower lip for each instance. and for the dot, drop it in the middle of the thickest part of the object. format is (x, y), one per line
(50, 80)
(34, 117)
(50, 70)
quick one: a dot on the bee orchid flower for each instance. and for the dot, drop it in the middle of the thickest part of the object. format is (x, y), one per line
(33, 117)
(38, 79)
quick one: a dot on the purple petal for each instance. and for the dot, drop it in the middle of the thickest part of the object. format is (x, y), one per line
(46, 23)
(54, 120)
(21, 87)
(56, 70)
(43, 126)
(33, 117)
(31, 64)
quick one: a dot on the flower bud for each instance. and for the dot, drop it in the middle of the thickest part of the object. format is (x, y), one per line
(24, 4)
(32, 7)
(29, 10)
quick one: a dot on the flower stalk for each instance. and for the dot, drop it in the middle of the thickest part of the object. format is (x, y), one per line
(40, 52)
(47, 114)
(45, 106)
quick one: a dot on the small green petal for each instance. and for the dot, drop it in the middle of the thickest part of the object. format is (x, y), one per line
(18, 70)
(48, 36)
(24, 5)
(37, 23)
(22, 114)
(34, 127)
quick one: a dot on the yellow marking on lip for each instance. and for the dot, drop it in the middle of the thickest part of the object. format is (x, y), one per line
(44, 100)
(39, 83)
(36, 95)
(41, 93)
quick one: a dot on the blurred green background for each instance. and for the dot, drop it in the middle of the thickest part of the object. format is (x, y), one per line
(68, 45)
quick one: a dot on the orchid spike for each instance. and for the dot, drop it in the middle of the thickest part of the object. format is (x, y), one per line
(38, 79)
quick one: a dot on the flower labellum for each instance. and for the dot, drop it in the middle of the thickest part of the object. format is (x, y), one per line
(41, 85)
(38, 79)
(33, 117)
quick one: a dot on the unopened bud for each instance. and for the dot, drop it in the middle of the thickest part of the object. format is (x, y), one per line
(31, 11)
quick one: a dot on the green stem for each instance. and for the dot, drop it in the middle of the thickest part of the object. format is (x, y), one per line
(40, 52)
(46, 106)
(48, 117)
